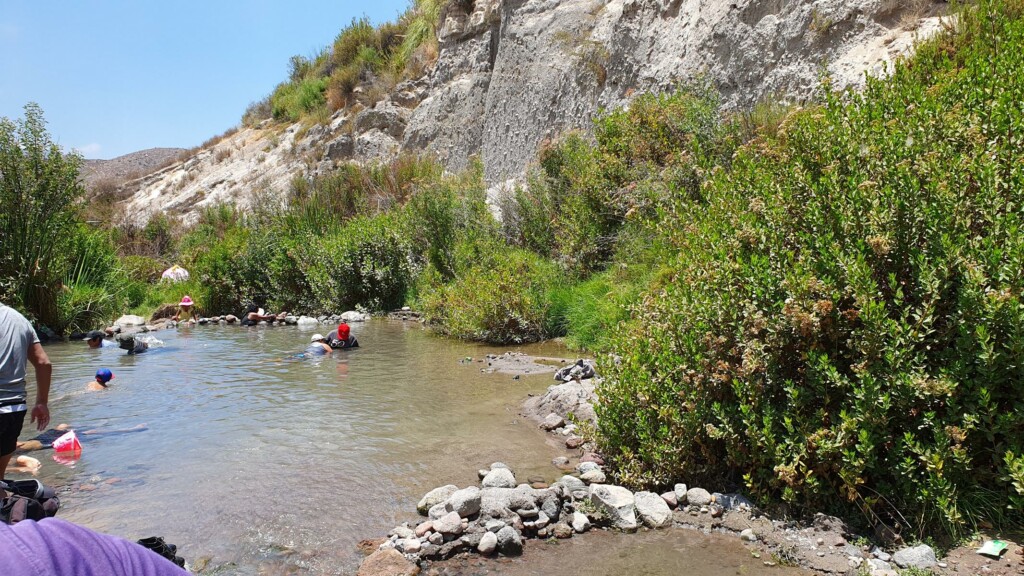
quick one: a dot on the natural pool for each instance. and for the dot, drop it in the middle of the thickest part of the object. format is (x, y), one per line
(270, 464)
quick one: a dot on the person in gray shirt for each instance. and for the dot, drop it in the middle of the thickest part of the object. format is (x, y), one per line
(19, 344)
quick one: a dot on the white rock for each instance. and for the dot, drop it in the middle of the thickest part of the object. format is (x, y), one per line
(748, 535)
(499, 478)
(434, 497)
(593, 477)
(130, 320)
(617, 504)
(653, 510)
(488, 543)
(465, 502)
(698, 497)
(921, 556)
(307, 321)
(580, 522)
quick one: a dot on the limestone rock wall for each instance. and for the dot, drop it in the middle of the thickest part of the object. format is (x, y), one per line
(512, 73)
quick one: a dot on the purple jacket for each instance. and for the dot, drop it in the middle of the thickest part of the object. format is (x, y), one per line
(55, 547)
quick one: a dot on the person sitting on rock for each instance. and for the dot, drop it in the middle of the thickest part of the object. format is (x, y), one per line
(578, 371)
(186, 313)
(103, 375)
(342, 338)
(95, 339)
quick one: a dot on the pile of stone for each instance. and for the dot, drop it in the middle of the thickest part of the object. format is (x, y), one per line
(500, 516)
(286, 319)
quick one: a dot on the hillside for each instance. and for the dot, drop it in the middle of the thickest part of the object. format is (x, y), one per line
(128, 166)
(511, 75)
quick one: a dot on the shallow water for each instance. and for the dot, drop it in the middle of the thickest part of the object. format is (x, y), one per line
(269, 464)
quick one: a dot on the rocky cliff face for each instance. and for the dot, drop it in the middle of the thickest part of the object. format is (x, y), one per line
(512, 73)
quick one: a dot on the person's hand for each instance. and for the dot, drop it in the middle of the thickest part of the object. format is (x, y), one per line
(41, 414)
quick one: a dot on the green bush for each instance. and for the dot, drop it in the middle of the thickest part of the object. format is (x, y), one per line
(504, 299)
(39, 191)
(365, 264)
(291, 101)
(842, 326)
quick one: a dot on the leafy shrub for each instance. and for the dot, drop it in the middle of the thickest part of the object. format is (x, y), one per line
(365, 264)
(290, 101)
(841, 328)
(504, 299)
(39, 190)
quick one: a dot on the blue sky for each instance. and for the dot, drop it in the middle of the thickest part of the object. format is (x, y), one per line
(119, 76)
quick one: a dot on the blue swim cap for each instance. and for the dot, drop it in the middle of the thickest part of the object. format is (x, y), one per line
(104, 375)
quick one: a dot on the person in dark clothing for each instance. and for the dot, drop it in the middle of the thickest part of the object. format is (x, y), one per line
(253, 314)
(342, 338)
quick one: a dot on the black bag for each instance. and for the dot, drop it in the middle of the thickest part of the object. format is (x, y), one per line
(26, 500)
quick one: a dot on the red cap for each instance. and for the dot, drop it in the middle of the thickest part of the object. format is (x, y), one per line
(343, 331)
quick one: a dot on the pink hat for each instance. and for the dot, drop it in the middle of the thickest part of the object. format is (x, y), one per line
(186, 301)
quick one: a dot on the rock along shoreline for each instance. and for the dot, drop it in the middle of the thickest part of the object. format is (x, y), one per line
(502, 515)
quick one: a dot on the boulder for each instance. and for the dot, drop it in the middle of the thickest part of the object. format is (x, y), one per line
(680, 491)
(580, 522)
(593, 477)
(449, 525)
(653, 510)
(698, 497)
(465, 502)
(584, 467)
(307, 321)
(670, 499)
(341, 148)
(130, 320)
(354, 316)
(552, 421)
(435, 497)
(572, 483)
(562, 531)
(510, 542)
(617, 504)
(921, 556)
(438, 510)
(747, 535)
(388, 562)
(423, 528)
(499, 478)
(404, 532)
(573, 442)
(231, 318)
(551, 506)
(488, 544)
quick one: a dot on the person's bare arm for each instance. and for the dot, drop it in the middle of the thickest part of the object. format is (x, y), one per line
(44, 370)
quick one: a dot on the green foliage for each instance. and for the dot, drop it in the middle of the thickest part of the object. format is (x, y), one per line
(290, 101)
(366, 264)
(841, 326)
(39, 190)
(660, 148)
(93, 285)
(502, 299)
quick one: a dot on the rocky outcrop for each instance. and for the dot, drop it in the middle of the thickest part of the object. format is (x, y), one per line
(512, 74)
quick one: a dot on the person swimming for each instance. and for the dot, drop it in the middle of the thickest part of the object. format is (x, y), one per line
(45, 439)
(318, 346)
(103, 375)
(136, 343)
